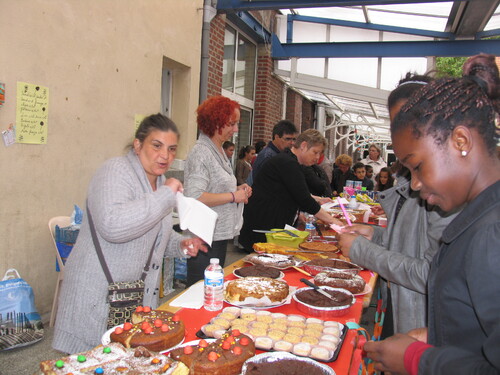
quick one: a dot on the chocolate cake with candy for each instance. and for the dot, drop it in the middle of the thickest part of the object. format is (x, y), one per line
(225, 356)
(114, 359)
(153, 329)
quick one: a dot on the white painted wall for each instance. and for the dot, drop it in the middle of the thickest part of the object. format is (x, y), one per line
(102, 62)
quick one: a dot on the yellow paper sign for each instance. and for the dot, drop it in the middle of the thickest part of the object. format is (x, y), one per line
(32, 113)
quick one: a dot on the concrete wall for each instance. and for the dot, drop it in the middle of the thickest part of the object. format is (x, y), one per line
(102, 61)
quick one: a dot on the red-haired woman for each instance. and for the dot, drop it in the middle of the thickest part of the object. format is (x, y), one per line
(208, 177)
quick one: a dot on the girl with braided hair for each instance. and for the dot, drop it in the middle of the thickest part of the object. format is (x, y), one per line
(446, 134)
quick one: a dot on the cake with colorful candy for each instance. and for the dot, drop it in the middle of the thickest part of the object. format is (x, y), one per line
(114, 359)
(224, 356)
(153, 329)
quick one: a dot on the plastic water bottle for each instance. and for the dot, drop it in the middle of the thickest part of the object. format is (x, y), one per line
(310, 226)
(353, 203)
(214, 286)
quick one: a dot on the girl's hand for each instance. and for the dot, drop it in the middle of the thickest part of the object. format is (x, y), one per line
(388, 354)
(191, 246)
(174, 184)
(419, 333)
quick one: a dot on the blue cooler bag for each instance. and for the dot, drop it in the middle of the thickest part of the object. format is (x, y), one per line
(20, 323)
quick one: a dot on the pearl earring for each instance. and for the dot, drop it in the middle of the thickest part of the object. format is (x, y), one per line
(464, 153)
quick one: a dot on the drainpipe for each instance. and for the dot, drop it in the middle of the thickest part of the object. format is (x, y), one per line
(209, 13)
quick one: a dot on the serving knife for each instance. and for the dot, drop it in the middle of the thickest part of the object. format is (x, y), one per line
(276, 231)
(317, 288)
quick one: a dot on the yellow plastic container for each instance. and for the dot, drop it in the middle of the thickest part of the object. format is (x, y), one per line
(284, 239)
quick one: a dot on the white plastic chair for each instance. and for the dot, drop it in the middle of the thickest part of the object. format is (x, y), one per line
(61, 221)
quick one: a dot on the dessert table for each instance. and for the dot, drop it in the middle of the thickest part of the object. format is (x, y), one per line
(348, 358)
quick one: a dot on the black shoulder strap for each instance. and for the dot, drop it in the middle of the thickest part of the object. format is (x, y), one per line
(100, 254)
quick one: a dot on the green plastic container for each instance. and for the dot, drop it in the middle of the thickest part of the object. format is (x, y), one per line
(284, 239)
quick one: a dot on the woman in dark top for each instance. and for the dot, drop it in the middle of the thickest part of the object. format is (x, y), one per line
(280, 190)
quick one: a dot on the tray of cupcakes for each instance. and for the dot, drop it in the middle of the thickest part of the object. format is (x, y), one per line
(314, 338)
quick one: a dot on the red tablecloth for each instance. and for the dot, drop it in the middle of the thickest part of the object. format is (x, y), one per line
(195, 318)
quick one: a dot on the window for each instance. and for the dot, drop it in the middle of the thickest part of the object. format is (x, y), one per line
(239, 64)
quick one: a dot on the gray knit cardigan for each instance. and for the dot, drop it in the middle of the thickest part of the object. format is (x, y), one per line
(129, 217)
(208, 170)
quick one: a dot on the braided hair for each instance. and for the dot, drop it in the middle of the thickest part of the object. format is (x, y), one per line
(406, 87)
(441, 105)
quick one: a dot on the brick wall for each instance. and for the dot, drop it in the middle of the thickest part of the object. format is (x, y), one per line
(216, 55)
(308, 114)
(268, 97)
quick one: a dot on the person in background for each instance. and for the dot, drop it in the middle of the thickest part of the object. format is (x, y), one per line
(453, 123)
(258, 148)
(384, 180)
(243, 165)
(341, 173)
(327, 166)
(360, 173)
(374, 159)
(280, 190)
(131, 204)
(402, 252)
(228, 148)
(369, 173)
(208, 177)
(317, 180)
(284, 135)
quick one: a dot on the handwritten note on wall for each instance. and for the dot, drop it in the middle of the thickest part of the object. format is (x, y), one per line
(32, 112)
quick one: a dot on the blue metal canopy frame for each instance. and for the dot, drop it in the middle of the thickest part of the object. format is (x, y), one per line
(363, 25)
(235, 5)
(283, 51)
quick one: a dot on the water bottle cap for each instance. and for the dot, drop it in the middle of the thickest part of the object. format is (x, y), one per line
(214, 260)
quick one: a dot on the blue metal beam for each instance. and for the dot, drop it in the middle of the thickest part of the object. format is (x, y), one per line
(247, 23)
(383, 49)
(489, 33)
(370, 26)
(235, 5)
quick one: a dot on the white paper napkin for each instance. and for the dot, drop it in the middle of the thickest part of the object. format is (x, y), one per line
(197, 217)
(192, 298)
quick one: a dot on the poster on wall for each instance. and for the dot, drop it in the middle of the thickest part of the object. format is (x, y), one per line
(2, 94)
(32, 113)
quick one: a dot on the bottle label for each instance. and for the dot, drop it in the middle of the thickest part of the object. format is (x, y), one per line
(309, 226)
(214, 279)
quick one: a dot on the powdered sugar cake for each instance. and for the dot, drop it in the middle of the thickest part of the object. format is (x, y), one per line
(256, 287)
(280, 261)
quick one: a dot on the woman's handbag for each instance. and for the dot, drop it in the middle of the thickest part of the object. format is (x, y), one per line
(123, 297)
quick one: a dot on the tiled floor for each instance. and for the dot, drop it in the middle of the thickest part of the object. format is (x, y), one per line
(24, 361)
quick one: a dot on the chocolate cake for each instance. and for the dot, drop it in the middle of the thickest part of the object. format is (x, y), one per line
(280, 261)
(258, 271)
(338, 279)
(153, 329)
(283, 367)
(314, 298)
(225, 356)
(114, 359)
